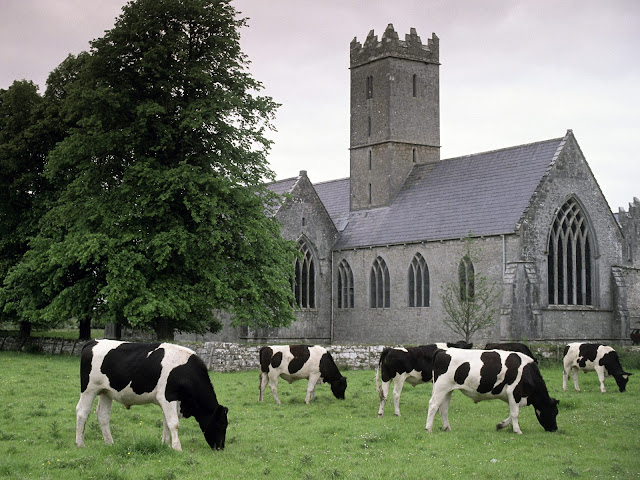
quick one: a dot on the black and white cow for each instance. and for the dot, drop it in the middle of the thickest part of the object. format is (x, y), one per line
(588, 357)
(170, 376)
(490, 374)
(511, 347)
(411, 364)
(295, 362)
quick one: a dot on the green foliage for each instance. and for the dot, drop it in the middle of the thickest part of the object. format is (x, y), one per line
(159, 212)
(469, 303)
(597, 436)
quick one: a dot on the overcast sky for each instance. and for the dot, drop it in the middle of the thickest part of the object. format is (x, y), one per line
(512, 72)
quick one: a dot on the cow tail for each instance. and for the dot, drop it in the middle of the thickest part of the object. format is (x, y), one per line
(383, 355)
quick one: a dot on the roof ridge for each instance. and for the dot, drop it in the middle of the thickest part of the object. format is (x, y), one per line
(504, 149)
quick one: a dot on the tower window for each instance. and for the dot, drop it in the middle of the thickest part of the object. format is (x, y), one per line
(369, 194)
(380, 285)
(369, 125)
(370, 86)
(415, 85)
(370, 160)
(569, 258)
(415, 155)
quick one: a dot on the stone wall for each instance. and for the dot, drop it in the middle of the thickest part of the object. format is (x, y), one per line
(230, 357)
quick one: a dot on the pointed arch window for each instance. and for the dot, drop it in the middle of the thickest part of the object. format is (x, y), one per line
(379, 285)
(418, 282)
(466, 278)
(346, 297)
(569, 258)
(304, 286)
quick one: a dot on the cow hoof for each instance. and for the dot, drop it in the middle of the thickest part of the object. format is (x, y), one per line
(379, 415)
(397, 414)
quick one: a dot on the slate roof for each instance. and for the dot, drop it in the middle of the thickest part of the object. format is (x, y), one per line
(486, 194)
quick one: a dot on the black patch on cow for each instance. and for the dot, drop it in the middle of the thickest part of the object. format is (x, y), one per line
(265, 358)
(611, 362)
(328, 368)
(395, 361)
(462, 372)
(138, 364)
(276, 360)
(86, 357)
(566, 349)
(441, 362)
(587, 352)
(189, 384)
(491, 366)
(512, 363)
(300, 356)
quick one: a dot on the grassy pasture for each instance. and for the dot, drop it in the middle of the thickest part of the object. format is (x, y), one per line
(598, 437)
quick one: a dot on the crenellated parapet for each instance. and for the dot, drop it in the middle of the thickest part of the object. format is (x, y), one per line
(410, 48)
(630, 224)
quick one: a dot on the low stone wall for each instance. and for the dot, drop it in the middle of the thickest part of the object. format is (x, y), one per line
(230, 357)
(52, 346)
(217, 356)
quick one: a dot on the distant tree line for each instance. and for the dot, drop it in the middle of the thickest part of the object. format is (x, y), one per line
(133, 190)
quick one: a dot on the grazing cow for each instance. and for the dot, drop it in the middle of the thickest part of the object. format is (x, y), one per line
(170, 376)
(589, 357)
(296, 362)
(410, 364)
(490, 374)
(511, 347)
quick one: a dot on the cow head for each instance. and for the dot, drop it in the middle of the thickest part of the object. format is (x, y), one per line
(547, 411)
(338, 387)
(216, 430)
(621, 380)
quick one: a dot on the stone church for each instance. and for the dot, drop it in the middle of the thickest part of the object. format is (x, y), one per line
(377, 247)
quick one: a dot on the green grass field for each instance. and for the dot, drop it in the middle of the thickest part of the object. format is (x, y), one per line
(598, 436)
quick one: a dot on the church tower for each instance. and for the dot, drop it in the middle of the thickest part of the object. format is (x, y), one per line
(395, 113)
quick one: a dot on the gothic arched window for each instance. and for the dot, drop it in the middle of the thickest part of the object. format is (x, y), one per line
(466, 279)
(345, 285)
(569, 260)
(418, 282)
(304, 287)
(380, 285)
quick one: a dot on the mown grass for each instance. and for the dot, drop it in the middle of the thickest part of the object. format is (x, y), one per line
(598, 434)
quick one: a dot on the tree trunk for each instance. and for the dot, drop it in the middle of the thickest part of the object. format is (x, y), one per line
(25, 329)
(164, 330)
(85, 329)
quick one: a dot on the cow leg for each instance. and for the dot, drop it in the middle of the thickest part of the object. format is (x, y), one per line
(565, 377)
(171, 422)
(601, 377)
(398, 383)
(83, 409)
(437, 397)
(264, 379)
(514, 411)
(574, 374)
(444, 412)
(104, 415)
(384, 393)
(273, 385)
(311, 387)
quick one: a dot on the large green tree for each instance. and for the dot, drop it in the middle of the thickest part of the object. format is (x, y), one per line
(159, 218)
